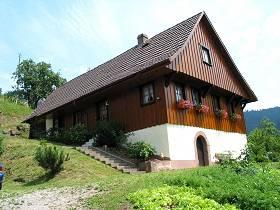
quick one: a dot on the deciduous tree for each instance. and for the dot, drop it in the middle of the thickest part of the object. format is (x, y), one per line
(35, 81)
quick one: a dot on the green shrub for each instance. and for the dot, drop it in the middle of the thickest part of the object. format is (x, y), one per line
(168, 197)
(264, 143)
(51, 158)
(76, 135)
(110, 133)
(2, 148)
(140, 150)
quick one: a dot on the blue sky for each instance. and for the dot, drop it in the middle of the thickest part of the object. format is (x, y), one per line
(77, 35)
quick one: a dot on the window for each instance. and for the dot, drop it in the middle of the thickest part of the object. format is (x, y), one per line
(58, 122)
(80, 118)
(102, 110)
(179, 92)
(196, 97)
(231, 108)
(148, 94)
(206, 55)
(216, 103)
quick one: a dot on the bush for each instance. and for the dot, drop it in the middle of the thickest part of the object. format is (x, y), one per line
(168, 197)
(140, 150)
(264, 143)
(110, 133)
(76, 135)
(51, 158)
(2, 148)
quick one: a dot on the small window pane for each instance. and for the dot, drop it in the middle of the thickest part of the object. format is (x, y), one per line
(148, 93)
(179, 93)
(216, 103)
(103, 111)
(196, 97)
(206, 55)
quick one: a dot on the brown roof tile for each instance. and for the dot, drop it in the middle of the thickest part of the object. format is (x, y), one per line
(160, 48)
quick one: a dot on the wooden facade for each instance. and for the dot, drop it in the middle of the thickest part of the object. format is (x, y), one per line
(187, 69)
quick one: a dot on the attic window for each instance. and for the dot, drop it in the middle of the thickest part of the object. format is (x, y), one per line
(206, 57)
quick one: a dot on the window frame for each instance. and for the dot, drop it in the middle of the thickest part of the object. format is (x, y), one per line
(98, 105)
(177, 85)
(142, 94)
(194, 92)
(82, 114)
(206, 49)
(231, 108)
(216, 102)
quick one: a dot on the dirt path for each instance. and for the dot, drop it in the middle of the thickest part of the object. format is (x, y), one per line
(57, 198)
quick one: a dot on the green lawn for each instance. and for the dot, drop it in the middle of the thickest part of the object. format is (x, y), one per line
(222, 185)
(24, 174)
(11, 114)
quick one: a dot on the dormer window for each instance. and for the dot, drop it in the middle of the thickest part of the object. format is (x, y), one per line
(206, 57)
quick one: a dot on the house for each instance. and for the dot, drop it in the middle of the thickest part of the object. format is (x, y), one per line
(179, 91)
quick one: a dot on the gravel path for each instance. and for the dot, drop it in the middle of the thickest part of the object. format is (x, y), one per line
(57, 198)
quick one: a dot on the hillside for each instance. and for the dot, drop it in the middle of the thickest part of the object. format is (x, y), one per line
(11, 113)
(254, 117)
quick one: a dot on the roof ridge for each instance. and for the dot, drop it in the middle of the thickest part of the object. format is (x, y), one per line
(94, 68)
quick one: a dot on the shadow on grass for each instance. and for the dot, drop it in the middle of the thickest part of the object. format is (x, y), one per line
(41, 179)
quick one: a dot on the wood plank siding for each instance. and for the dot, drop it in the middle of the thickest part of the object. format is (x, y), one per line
(204, 120)
(125, 107)
(220, 73)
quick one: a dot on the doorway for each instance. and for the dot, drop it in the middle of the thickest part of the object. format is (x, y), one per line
(202, 151)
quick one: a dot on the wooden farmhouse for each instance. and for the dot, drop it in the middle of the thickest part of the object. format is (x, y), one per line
(179, 91)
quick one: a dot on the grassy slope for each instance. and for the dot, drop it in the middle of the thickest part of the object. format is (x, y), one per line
(23, 173)
(12, 114)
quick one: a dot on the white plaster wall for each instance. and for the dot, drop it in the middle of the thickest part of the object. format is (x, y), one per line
(156, 136)
(178, 141)
(182, 142)
(49, 122)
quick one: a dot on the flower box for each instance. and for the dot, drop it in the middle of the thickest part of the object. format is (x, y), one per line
(235, 116)
(201, 108)
(221, 113)
(184, 104)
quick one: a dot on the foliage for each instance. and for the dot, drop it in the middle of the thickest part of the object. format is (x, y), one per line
(235, 116)
(201, 108)
(264, 142)
(50, 158)
(10, 108)
(221, 113)
(185, 104)
(35, 81)
(168, 197)
(260, 191)
(140, 150)
(2, 148)
(77, 135)
(110, 133)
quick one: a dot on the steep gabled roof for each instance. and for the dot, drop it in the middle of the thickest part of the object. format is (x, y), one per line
(161, 49)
